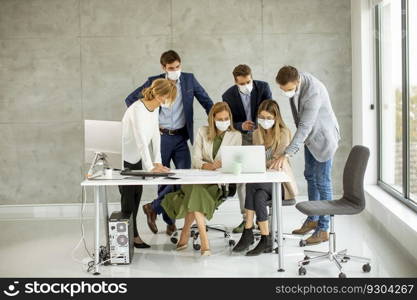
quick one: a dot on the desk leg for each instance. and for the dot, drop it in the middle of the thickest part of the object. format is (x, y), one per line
(274, 219)
(103, 198)
(97, 232)
(277, 198)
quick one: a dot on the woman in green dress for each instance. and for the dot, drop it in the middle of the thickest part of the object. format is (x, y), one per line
(199, 201)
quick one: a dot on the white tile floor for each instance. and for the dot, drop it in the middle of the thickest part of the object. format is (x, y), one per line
(42, 248)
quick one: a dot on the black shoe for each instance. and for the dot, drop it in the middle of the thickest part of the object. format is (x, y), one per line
(141, 245)
(245, 241)
(264, 246)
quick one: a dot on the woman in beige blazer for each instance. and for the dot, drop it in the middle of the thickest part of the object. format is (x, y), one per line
(275, 136)
(197, 202)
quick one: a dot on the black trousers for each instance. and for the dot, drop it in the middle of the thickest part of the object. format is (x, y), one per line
(131, 195)
(258, 197)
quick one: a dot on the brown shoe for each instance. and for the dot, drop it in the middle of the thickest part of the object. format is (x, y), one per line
(317, 237)
(151, 217)
(171, 229)
(306, 228)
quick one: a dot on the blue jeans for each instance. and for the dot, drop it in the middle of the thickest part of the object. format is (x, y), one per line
(319, 184)
(175, 148)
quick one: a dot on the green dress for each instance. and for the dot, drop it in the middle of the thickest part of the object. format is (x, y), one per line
(204, 198)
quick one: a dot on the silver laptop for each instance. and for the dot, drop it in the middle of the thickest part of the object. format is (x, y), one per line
(251, 158)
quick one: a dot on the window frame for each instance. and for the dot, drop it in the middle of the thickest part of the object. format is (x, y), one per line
(405, 196)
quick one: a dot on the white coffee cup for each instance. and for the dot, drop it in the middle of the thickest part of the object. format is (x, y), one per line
(108, 173)
(237, 168)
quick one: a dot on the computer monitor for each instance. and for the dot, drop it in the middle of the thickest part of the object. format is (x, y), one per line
(106, 137)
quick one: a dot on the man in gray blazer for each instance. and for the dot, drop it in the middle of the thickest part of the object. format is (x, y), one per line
(318, 131)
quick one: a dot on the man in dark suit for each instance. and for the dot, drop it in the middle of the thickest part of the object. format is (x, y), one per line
(244, 98)
(176, 126)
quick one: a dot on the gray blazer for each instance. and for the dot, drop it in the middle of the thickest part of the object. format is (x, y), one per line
(318, 127)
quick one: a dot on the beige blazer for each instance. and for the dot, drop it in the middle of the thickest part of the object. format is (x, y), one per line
(203, 148)
(290, 188)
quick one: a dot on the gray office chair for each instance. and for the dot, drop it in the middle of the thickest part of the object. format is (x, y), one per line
(352, 203)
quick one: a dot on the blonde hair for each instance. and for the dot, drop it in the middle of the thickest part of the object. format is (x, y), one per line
(217, 108)
(279, 126)
(160, 88)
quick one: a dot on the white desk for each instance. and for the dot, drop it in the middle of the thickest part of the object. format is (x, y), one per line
(192, 177)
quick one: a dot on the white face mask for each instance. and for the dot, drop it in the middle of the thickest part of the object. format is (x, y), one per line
(246, 88)
(288, 94)
(266, 124)
(174, 75)
(222, 125)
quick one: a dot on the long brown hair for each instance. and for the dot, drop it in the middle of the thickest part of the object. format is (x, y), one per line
(272, 107)
(161, 87)
(218, 107)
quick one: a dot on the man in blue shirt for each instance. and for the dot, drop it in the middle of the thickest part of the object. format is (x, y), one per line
(176, 127)
(244, 98)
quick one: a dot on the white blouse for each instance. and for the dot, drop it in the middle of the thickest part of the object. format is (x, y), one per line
(140, 130)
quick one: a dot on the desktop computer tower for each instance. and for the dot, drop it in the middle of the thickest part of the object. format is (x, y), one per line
(121, 238)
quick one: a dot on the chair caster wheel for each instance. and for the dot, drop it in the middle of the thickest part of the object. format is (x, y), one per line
(303, 243)
(276, 250)
(302, 271)
(196, 247)
(232, 243)
(366, 268)
(306, 262)
(174, 240)
(342, 275)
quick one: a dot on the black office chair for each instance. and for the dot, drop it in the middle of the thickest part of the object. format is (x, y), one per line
(229, 191)
(352, 203)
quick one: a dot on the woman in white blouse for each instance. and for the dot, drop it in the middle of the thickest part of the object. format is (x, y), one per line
(140, 132)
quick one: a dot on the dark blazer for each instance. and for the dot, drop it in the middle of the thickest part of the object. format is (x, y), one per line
(260, 92)
(190, 88)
